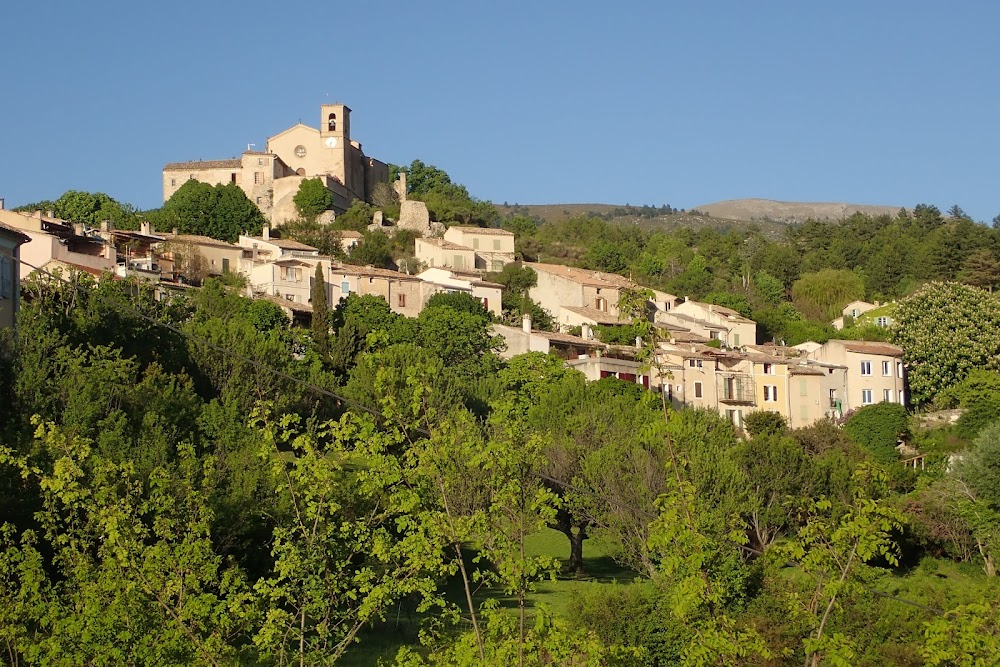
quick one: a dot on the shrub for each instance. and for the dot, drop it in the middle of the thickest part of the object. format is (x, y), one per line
(878, 428)
(765, 422)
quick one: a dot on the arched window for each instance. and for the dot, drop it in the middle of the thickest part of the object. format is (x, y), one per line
(300, 171)
(331, 123)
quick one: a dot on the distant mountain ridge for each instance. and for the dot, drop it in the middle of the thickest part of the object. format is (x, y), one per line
(789, 212)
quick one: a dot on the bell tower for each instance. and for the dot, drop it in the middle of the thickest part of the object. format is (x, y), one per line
(335, 121)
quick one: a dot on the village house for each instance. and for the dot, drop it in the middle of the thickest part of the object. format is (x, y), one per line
(11, 240)
(560, 286)
(74, 246)
(492, 248)
(405, 294)
(875, 371)
(736, 330)
(854, 310)
(487, 293)
(192, 258)
(441, 253)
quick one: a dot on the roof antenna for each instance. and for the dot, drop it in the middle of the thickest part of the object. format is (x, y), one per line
(249, 146)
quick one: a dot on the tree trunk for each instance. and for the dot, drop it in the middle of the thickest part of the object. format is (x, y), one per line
(576, 539)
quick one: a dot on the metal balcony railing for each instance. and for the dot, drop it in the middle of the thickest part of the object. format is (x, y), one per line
(737, 389)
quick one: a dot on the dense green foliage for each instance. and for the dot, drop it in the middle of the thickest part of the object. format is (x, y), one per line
(312, 198)
(165, 497)
(91, 208)
(220, 211)
(947, 330)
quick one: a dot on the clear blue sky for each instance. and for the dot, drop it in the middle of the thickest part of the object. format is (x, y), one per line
(685, 103)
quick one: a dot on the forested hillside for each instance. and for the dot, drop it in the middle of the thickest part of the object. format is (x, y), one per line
(191, 481)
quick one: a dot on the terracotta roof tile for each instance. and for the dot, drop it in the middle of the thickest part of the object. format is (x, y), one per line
(234, 163)
(494, 231)
(583, 276)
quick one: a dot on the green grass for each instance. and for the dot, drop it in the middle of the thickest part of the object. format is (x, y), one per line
(401, 625)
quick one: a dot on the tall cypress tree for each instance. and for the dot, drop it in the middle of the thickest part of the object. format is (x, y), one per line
(320, 318)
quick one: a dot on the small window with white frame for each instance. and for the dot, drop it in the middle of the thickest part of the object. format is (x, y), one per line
(768, 369)
(866, 397)
(770, 393)
(887, 368)
(866, 368)
(887, 395)
(694, 363)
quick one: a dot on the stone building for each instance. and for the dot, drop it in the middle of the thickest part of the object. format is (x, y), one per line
(270, 178)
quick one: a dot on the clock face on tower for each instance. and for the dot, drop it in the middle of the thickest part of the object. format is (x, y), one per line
(331, 142)
(300, 151)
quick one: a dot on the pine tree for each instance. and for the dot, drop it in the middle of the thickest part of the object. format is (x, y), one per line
(320, 318)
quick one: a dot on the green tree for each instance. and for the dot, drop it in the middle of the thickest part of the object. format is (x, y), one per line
(375, 249)
(221, 212)
(879, 428)
(822, 295)
(312, 198)
(981, 269)
(946, 330)
(320, 317)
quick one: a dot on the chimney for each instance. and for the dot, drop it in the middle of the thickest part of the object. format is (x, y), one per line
(586, 332)
(1, 203)
(50, 214)
(175, 231)
(526, 323)
(877, 304)
(144, 227)
(255, 252)
(266, 234)
(105, 225)
(78, 228)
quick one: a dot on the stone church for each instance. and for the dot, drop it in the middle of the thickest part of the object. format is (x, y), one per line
(270, 178)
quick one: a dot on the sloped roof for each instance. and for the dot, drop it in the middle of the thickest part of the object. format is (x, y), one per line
(493, 231)
(583, 276)
(284, 244)
(195, 239)
(444, 245)
(870, 347)
(234, 163)
(16, 233)
(598, 316)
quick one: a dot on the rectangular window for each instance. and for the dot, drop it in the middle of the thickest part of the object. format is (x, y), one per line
(768, 369)
(770, 393)
(803, 388)
(697, 390)
(260, 200)
(866, 368)
(6, 277)
(475, 244)
(887, 395)
(899, 369)
(804, 412)
(882, 321)
(736, 339)
(496, 244)
(225, 265)
(694, 363)
(258, 177)
(232, 177)
(886, 368)
(866, 397)
(345, 287)
(401, 300)
(260, 161)
(173, 182)
(902, 397)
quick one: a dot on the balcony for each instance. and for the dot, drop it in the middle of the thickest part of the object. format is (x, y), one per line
(737, 389)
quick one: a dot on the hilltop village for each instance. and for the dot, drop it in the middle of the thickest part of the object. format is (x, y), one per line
(322, 409)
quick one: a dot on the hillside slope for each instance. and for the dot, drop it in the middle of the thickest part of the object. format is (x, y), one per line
(789, 212)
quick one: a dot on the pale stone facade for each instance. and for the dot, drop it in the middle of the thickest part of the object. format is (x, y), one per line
(489, 294)
(270, 178)
(875, 371)
(439, 253)
(10, 273)
(493, 248)
(55, 239)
